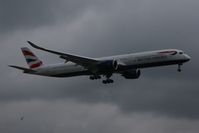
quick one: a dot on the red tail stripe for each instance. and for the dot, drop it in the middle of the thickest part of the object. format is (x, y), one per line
(27, 53)
(36, 65)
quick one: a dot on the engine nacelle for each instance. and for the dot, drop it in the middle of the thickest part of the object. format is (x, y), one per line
(131, 74)
(109, 65)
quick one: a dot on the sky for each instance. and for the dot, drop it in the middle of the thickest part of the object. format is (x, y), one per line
(161, 100)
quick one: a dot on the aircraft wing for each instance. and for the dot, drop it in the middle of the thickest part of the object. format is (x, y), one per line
(80, 60)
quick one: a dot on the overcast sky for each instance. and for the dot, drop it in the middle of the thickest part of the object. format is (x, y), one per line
(161, 100)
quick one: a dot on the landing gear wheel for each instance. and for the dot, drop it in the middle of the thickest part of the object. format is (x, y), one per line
(111, 81)
(104, 81)
(98, 77)
(107, 81)
(93, 77)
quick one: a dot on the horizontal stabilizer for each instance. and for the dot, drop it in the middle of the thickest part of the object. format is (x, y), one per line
(26, 70)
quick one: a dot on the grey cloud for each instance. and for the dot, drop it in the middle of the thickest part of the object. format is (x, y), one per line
(171, 97)
(29, 14)
(100, 29)
(72, 117)
(24, 14)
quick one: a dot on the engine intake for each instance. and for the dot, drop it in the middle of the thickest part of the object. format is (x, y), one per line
(109, 65)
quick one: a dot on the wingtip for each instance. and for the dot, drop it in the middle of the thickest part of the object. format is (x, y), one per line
(29, 42)
(12, 66)
(32, 44)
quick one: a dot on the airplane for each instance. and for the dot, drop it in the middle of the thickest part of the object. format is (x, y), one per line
(128, 65)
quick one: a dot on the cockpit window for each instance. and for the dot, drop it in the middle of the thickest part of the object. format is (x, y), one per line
(180, 52)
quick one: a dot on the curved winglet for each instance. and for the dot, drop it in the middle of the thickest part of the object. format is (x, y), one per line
(47, 50)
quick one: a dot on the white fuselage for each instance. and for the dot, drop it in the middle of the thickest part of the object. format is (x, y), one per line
(130, 61)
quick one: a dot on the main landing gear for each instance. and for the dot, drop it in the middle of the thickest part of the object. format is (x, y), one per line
(94, 77)
(179, 67)
(108, 80)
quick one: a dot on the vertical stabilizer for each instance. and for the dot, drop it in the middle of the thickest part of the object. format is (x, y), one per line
(31, 59)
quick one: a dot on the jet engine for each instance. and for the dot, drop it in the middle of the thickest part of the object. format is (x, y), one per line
(131, 74)
(109, 65)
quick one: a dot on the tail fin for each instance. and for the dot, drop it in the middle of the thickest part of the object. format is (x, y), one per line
(31, 59)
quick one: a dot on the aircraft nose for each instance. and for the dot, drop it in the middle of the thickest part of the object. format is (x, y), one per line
(187, 57)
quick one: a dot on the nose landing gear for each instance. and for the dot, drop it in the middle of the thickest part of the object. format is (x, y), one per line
(179, 67)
